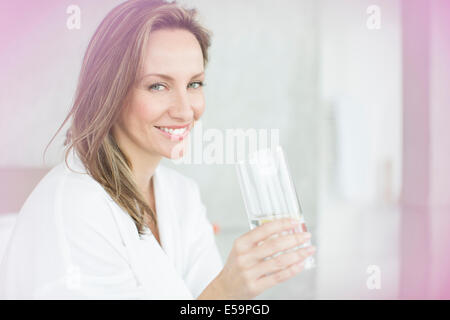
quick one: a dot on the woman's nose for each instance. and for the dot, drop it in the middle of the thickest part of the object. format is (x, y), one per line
(182, 107)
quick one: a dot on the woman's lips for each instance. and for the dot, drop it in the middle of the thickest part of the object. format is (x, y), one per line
(175, 127)
(175, 137)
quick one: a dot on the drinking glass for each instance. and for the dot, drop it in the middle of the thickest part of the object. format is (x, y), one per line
(269, 192)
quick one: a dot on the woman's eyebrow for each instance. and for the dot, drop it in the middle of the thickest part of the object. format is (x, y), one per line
(167, 77)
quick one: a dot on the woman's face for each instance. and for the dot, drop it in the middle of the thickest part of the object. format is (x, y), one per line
(168, 96)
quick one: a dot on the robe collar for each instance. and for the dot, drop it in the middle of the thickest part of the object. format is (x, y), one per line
(143, 254)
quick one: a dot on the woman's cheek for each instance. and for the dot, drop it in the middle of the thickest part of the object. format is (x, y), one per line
(149, 111)
(199, 106)
(199, 111)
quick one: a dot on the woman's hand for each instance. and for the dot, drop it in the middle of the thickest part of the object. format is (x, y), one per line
(247, 273)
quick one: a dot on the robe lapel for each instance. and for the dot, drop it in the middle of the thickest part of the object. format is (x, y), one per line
(157, 270)
(168, 226)
(153, 268)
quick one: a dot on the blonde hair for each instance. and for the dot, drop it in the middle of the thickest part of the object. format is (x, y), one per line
(110, 67)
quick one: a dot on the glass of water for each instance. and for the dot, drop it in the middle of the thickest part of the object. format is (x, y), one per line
(269, 192)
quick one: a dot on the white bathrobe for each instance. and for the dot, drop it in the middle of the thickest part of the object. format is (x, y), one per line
(72, 241)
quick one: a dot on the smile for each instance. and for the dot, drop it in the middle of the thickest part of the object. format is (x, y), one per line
(174, 133)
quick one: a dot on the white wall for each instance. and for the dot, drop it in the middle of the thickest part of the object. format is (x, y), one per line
(360, 92)
(360, 149)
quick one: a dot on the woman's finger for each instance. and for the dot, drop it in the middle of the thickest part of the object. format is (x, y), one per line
(258, 234)
(272, 246)
(282, 261)
(277, 277)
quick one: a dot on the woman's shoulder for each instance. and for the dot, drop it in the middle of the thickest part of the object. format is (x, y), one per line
(71, 175)
(66, 201)
(64, 185)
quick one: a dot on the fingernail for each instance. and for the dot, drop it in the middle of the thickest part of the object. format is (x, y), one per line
(295, 222)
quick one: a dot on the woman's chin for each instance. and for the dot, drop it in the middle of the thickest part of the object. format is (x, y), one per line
(176, 152)
(174, 149)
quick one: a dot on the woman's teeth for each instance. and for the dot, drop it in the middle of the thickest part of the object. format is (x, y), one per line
(173, 131)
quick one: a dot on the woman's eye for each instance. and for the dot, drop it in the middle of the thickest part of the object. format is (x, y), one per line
(156, 86)
(197, 84)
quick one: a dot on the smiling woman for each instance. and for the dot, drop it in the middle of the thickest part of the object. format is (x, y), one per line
(112, 220)
(114, 128)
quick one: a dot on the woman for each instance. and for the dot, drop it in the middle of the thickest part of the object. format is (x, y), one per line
(110, 222)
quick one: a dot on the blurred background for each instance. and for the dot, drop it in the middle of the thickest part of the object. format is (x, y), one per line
(358, 91)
